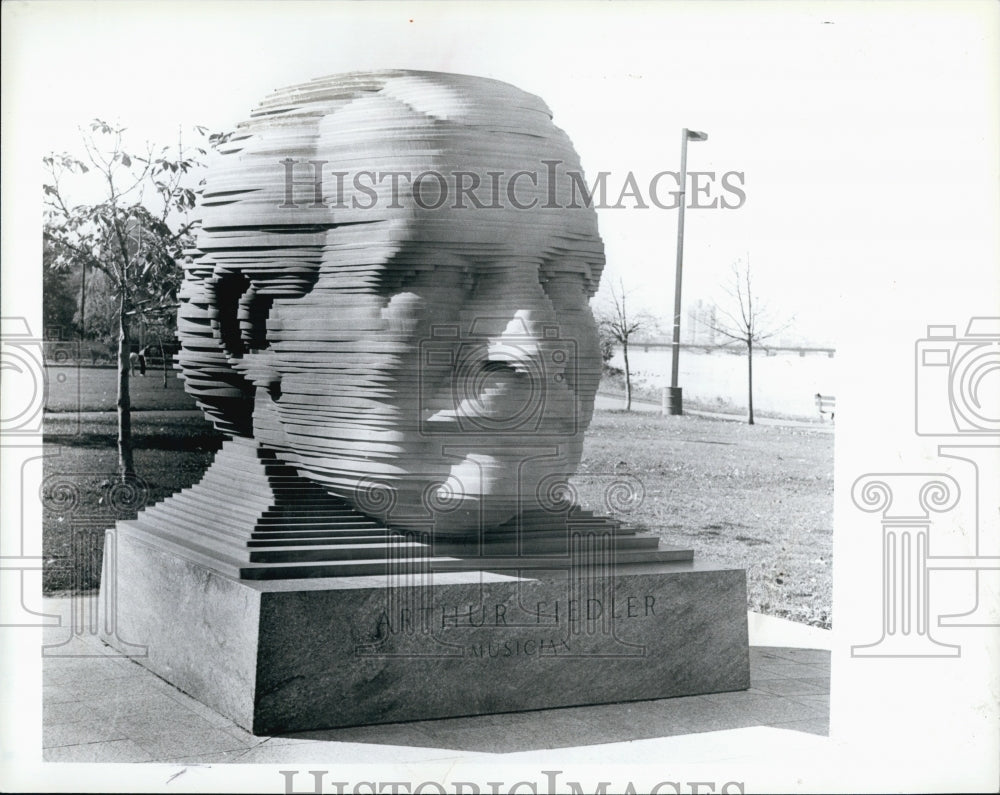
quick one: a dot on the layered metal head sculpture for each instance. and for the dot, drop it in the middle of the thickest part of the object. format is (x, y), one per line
(391, 292)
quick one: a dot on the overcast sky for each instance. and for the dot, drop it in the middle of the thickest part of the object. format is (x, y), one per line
(842, 121)
(853, 127)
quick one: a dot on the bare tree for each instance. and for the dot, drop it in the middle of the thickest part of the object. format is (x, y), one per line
(616, 322)
(749, 321)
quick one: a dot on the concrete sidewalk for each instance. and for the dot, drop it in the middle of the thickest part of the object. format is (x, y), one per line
(100, 707)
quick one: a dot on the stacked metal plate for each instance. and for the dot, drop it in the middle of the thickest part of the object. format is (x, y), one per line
(390, 293)
(252, 517)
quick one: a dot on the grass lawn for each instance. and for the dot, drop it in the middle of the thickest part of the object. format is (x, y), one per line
(613, 383)
(758, 497)
(81, 493)
(96, 389)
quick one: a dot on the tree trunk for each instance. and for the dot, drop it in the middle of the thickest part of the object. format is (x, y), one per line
(163, 361)
(83, 306)
(628, 378)
(125, 466)
(750, 381)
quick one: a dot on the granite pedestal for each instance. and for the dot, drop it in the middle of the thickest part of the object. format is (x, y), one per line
(414, 643)
(285, 609)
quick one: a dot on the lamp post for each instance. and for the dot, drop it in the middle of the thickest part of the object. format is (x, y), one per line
(672, 400)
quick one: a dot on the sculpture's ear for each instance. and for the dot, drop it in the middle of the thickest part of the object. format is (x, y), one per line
(222, 327)
(220, 391)
(243, 310)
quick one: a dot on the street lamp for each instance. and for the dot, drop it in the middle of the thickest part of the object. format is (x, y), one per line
(672, 402)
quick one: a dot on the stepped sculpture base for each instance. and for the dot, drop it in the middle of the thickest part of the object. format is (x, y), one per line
(292, 655)
(237, 607)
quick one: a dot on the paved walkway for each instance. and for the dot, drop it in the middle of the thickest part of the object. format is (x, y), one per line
(99, 707)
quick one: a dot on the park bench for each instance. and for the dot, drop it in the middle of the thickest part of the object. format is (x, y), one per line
(826, 404)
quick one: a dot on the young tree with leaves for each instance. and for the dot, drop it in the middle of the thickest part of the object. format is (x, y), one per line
(134, 235)
(59, 306)
(748, 321)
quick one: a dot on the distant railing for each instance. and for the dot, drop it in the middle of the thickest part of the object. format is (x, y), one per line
(708, 347)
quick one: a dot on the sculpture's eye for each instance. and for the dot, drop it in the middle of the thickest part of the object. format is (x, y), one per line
(567, 282)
